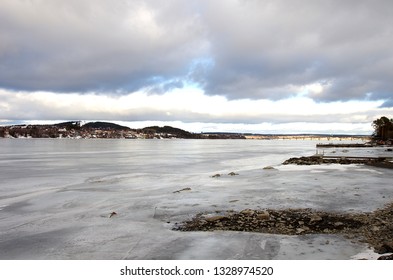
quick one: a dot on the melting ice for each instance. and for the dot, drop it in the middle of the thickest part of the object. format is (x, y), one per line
(56, 197)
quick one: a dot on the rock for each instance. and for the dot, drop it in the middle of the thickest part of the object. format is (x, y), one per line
(361, 227)
(300, 230)
(216, 175)
(318, 159)
(214, 218)
(232, 174)
(247, 212)
(263, 216)
(185, 189)
(112, 214)
(315, 218)
(375, 228)
(388, 247)
(269, 168)
(388, 257)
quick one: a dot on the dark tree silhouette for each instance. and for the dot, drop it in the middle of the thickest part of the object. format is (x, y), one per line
(383, 128)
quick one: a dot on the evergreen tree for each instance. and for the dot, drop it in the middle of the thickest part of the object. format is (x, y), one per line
(382, 127)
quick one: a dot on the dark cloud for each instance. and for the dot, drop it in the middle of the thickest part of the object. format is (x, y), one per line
(262, 48)
(95, 45)
(237, 48)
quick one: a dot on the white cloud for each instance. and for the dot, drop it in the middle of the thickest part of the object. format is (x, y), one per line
(191, 105)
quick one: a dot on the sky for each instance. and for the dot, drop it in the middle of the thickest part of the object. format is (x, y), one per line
(261, 66)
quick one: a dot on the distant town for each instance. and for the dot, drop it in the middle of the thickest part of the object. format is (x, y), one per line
(107, 130)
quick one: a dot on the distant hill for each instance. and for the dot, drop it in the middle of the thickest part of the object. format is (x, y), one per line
(104, 126)
(180, 133)
(69, 125)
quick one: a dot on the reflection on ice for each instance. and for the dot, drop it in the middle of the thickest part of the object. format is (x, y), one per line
(251, 246)
(56, 197)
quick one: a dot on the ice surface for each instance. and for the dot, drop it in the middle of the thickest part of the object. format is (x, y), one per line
(56, 197)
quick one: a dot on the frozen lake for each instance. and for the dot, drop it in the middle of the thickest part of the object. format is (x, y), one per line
(56, 196)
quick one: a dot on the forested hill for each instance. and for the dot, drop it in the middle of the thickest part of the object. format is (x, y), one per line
(104, 126)
(169, 130)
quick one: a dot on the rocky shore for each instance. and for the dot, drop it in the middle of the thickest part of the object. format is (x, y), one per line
(317, 160)
(375, 228)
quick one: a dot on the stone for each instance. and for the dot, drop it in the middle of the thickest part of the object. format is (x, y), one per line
(300, 230)
(247, 212)
(214, 218)
(268, 168)
(388, 246)
(358, 227)
(185, 189)
(388, 257)
(112, 214)
(232, 174)
(315, 218)
(263, 216)
(216, 175)
(375, 228)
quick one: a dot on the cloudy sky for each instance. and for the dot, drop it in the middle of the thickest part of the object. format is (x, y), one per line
(268, 66)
